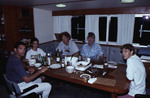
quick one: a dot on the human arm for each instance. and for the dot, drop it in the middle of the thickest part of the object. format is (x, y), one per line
(74, 48)
(35, 75)
(130, 70)
(99, 49)
(76, 54)
(103, 58)
(28, 55)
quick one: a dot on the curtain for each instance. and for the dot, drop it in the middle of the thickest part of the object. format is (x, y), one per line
(92, 25)
(62, 24)
(125, 28)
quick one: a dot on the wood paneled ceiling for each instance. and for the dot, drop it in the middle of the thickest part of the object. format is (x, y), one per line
(75, 4)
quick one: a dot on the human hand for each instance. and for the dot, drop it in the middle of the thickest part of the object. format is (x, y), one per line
(31, 70)
(103, 58)
(43, 69)
(25, 60)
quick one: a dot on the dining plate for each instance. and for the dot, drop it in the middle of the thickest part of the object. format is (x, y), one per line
(55, 66)
(85, 76)
(82, 67)
(111, 63)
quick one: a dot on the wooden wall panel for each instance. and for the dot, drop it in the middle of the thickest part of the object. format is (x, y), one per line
(10, 26)
(129, 10)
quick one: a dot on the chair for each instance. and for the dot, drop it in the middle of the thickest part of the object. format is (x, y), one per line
(14, 88)
(141, 96)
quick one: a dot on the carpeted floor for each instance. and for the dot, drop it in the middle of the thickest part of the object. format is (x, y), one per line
(63, 90)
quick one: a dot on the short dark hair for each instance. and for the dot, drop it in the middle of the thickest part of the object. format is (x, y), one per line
(17, 44)
(129, 47)
(91, 34)
(65, 34)
(34, 39)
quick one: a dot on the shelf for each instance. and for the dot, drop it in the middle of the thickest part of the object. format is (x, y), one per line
(25, 31)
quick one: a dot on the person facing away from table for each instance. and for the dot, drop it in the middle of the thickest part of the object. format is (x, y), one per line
(92, 50)
(135, 72)
(16, 72)
(34, 52)
(67, 46)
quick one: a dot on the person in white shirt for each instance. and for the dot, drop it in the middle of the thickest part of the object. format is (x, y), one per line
(135, 72)
(34, 52)
(67, 46)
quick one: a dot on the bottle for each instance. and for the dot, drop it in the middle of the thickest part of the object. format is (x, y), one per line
(2, 19)
(57, 56)
(48, 59)
(44, 61)
(79, 57)
(63, 60)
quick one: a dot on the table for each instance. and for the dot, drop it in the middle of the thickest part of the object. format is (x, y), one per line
(114, 81)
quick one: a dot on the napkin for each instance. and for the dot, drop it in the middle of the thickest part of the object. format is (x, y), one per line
(92, 80)
(98, 66)
(112, 66)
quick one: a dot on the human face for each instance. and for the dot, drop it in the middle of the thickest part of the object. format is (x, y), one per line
(35, 44)
(90, 41)
(20, 51)
(65, 40)
(126, 53)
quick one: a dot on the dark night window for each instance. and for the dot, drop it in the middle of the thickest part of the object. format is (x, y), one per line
(78, 27)
(141, 31)
(113, 26)
(102, 28)
(113, 29)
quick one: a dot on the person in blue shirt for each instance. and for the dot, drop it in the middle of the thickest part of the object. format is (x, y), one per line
(16, 72)
(92, 50)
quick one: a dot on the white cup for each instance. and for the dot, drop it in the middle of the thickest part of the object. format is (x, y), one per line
(32, 62)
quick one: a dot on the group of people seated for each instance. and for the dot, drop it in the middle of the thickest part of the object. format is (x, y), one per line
(16, 70)
(89, 50)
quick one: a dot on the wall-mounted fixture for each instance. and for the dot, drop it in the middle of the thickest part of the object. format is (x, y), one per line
(127, 1)
(60, 5)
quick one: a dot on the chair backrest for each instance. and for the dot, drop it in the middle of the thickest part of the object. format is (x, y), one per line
(13, 87)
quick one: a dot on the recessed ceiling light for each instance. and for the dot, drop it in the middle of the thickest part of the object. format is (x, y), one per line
(60, 5)
(127, 1)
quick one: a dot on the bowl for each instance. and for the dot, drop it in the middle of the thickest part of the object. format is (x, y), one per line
(37, 64)
(32, 62)
(70, 69)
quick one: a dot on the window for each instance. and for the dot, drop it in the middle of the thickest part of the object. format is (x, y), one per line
(78, 27)
(108, 26)
(142, 30)
(113, 29)
(102, 28)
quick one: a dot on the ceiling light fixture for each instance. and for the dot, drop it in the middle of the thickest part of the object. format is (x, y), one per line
(60, 5)
(127, 1)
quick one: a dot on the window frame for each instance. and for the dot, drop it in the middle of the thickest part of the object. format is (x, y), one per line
(134, 43)
(107, 29)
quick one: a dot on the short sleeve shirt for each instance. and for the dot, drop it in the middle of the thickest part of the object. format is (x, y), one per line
(136, 72)
(32, 53)
(15, 70)
(69, 49)
(91, 52)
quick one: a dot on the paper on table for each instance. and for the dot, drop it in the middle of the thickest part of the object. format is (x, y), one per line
(145, 57)
(92, 80)
(148, 61)
(112, 66)
(98, 66)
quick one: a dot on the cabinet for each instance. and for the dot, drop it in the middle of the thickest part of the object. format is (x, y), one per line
(25, 23)
(16, 23)
(3, 51)
(2, 29)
